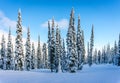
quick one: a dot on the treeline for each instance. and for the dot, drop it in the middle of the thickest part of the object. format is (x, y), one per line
(54, 55)
(108, 54)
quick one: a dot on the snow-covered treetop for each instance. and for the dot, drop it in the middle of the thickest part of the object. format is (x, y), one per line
(53, 23)
(9, 35)
(72, 12)
(49, 33)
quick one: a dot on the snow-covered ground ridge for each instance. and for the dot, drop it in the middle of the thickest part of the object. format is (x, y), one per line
(94, 74)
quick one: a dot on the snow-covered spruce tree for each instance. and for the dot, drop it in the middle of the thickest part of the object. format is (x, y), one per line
(45, 58)
(71, 45)
(60, 51)
(63, 58)
(13, 59)
(57, 50)
(103, 56)
(49, 44)
(33, 57)
(9, 62)
(91, 45)
(79, 44)
(118, 58)
(115, 54)
(83, 47)
(19, 45)
(88, 53)
(39, 59)
(108, 55)
(112, 54)
(3, 53)
(99, 57)
(28, 51)
(52, 49)
(95, 57)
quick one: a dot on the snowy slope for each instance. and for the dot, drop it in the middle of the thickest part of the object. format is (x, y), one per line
(94, 74)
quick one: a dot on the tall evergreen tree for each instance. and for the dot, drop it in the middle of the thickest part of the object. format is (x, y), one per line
(83, 47)
(52, 49)
(112, 55)
(79, 44)
(45, 58)
(103, 56)
(28, 51)
(33, 57)
(19, 45)
(99, 57)
(49, 44)
(115, 54)
(88, 53)
(91, 45)
(3, 53)
(64, 64)
(108, 55)
(9, 63)
(60, 51)
(118, 58)
(71, 45)
(95, 57)
(57, 50)
(39, 59)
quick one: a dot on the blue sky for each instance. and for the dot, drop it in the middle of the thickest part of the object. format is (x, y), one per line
(103, 14)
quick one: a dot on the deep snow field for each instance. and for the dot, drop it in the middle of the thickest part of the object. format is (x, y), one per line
(95, 74)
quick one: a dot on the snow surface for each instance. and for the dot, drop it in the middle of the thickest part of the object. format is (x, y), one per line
(95, 74)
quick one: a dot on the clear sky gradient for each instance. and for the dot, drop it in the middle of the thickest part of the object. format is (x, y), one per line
(104, 14)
